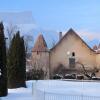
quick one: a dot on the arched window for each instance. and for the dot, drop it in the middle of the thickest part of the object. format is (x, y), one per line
(73, 54)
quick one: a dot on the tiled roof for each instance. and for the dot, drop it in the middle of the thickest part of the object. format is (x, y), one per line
(40, 44)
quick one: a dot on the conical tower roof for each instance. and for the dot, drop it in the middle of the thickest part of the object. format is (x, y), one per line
(40, 44)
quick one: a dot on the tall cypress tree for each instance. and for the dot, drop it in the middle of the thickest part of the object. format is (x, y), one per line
(3, 69)
(16, 63)
(23, 61)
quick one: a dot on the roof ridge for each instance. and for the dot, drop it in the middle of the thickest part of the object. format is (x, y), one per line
(73, 32)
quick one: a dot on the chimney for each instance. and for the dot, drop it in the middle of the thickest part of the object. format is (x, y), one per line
(60, 35)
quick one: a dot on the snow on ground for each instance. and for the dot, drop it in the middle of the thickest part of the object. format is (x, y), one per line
(70, 87)
(67, 90)
(56, 90)
(20, 93)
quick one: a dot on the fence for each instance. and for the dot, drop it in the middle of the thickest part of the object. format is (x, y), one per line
(55, 96)
(45, 95)
(52, 96)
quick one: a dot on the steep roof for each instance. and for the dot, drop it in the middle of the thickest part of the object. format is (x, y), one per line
(40, 44)
(71, 31)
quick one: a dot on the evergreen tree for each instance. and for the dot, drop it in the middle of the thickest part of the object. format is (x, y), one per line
(22, 62)
(3, 69)
(16, 63)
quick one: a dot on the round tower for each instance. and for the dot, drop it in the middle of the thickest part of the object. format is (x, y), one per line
(40, 55)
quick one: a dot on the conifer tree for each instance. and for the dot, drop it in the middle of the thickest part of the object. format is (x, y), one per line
(16, 63)
(3, 69)
(22, 62)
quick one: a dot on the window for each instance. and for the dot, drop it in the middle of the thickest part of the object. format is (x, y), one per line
(73, 54)
(72, 60)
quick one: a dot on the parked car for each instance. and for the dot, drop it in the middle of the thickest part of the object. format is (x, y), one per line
(80, 77)
(95, 78)
(70, 76)
(57, 76)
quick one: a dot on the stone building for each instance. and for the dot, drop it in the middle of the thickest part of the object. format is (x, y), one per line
(67, 56)
(40, 55)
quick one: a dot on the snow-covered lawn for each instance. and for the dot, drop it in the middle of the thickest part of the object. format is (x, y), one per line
(20, 93)
(67, 90)
(70, 87)
(56, 90)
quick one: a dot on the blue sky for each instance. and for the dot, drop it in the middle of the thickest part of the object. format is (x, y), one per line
(60, 15)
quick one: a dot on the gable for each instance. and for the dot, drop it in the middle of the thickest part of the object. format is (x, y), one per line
(73, 34)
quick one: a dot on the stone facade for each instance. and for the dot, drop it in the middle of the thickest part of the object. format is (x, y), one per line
(70, 48)
(40, 55)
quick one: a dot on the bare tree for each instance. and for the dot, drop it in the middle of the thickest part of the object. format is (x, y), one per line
(11, 30)
(28, 41)
(53, 43)
(60, 69)
(39, 66)
(37, 69)
(85, 72)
